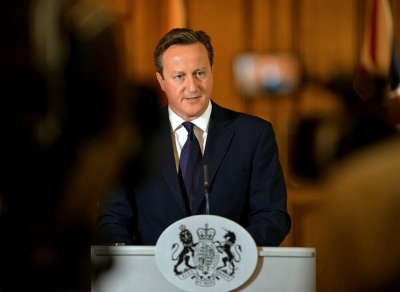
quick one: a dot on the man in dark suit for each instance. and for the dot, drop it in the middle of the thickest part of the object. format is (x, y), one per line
(246, 182)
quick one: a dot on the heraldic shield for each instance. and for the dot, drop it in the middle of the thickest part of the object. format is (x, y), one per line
(206, 253)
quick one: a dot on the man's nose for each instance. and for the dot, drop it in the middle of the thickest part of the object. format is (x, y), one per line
(191, 84)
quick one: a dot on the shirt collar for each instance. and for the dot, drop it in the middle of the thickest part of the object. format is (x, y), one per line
(201, 122)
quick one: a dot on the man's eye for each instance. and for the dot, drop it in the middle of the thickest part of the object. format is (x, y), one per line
(179, 76)
(200, 74)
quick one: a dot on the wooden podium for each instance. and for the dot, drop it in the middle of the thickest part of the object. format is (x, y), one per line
(279, 269)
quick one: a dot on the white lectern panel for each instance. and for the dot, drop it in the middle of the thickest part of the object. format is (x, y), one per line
(279, 269)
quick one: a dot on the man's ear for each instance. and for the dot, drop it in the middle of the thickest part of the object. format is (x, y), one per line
(160, 80)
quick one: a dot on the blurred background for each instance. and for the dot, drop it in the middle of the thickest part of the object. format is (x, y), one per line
(307, 53)
(79, 95)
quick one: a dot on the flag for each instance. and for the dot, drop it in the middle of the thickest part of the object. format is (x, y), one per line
(378, 37)
(376, 52)
(378, 76)
(176, 14)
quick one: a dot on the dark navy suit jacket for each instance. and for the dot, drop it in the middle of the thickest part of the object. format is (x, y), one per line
(246, 184)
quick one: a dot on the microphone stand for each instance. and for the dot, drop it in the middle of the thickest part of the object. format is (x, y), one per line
(206, 191)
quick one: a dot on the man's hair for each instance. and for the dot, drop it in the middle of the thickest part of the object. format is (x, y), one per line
(181, 36)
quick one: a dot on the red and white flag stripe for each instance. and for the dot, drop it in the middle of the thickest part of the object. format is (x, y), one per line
(378, 37)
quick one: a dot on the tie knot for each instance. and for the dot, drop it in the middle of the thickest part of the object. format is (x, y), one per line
(189, 126)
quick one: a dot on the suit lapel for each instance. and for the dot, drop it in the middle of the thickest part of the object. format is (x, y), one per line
(218, 141)
(167, 162)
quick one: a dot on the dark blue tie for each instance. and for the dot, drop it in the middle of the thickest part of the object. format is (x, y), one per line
(190, 163)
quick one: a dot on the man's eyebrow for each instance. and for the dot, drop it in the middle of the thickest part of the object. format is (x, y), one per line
(178, 72)
(195, 70)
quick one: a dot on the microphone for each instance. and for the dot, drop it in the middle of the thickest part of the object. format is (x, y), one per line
(206, 189)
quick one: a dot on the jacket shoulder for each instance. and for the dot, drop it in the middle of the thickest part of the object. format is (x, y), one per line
(236, 117)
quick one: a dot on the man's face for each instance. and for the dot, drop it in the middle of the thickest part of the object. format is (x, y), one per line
(188, 79)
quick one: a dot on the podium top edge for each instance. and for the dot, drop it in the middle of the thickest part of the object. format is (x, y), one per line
(287, 252)
(143, 250)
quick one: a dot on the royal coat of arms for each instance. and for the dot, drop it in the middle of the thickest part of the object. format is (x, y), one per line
(206, 260)
(206, 252)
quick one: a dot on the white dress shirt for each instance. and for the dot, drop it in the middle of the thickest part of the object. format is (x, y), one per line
(179, 133)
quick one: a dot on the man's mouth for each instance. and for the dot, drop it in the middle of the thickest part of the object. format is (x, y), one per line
(192, 98)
